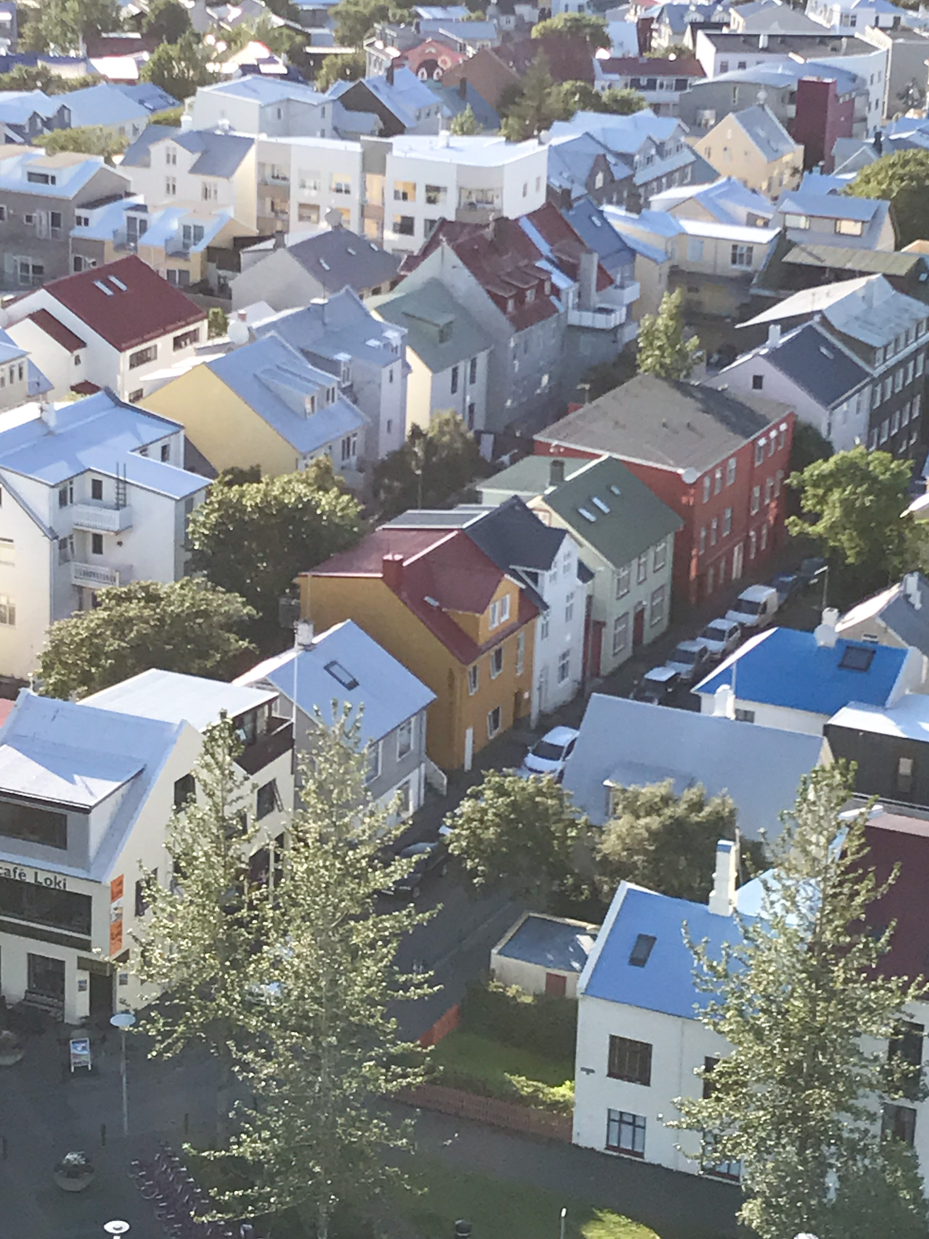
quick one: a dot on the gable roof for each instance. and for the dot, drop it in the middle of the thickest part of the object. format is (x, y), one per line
(571, 160)
(699, 425)
(440, 330)
(105, 104)
(868, 308)
(125, 302)
(591, 225)
(850, 258)
(766, 131)
(341, 324)
(385, 693)
(894, 607)
(174, 697)
(814, 361)
(217, 154)
(907, 719)
(629, 743)
(57, 330)
(727, 200)
(831, 206)
(486, 72)
(788, 668)
(339, 258)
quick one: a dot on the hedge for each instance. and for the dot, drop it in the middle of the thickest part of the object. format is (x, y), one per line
(536, 1022)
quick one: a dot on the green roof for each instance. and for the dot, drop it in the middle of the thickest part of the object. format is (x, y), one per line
(608, 507)
(440, 331)
(530, 476)
(847, 257)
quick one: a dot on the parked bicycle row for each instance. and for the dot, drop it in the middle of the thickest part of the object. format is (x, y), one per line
(180, 1204)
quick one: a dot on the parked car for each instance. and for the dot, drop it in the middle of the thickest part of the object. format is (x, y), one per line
(548, 755)
(658, 687)
(429, 857)
(721, 637)
(755, 607)
(787, 584)
(690, 659)
(809, 568)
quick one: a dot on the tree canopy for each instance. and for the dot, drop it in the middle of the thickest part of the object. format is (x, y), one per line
(580, 97)
(87, 139)
(40, 77)
(535, 105)
(432, 467)
(188, 625)
(166, 20)
(663, 348)
(902, 180)
(465, 123)
(339, 69)
(63, 26)
(179, 68)
(575, 26)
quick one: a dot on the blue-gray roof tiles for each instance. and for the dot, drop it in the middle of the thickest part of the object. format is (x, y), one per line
(550, 943)
(817, 364)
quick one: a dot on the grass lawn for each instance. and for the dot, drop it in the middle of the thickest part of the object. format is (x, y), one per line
(492, 1061)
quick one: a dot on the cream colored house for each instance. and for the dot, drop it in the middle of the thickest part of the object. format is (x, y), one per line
(754, 147)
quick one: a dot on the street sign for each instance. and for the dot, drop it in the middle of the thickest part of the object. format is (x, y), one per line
(80, 1052)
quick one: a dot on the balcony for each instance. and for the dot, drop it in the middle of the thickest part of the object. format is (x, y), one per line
(277, 740)
(93, 576)
(602, 318)
(273, 178)
(101, 519)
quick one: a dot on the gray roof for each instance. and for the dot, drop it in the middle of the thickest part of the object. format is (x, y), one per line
(338, 258)
(766, 131)
(549, 942)
(175, 698)
(631, 743)
(218, 154)
(441, 332)
(674, 425)
(384, 693)
(592, 226)
(607, 506)
(323, 330)
(817, 364)
(530, 476)
(893, 607)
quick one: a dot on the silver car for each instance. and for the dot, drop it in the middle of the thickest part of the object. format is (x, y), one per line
(721, 637)
(690, 659)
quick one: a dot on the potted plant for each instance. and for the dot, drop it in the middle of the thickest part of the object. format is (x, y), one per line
(11, 1048)
(74, 1172)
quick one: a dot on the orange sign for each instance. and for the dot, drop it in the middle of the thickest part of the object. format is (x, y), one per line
(116, 915)
(116, 889)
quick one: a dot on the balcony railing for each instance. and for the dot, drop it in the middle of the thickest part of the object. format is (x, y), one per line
(277, 740)
(93, 575)
(101, 519)
(603, 317)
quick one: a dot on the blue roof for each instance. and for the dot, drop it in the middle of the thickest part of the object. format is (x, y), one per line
(267, 89)
(550, 942)
(103, 104)
(592, 226)
(786, 667)
(832, 206)
(666, 982)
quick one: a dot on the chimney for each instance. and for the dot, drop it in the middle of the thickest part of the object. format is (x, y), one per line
(762, 42)
(392, 571)
(303, 634)
(390, 74)
(587, 280)
(825, 634)
(555, 471)
(774, 335)
(911, 590)
(280, 239)
(49, 415)
(238, 329)
(725, 878)
(463, 88)
(724, 702)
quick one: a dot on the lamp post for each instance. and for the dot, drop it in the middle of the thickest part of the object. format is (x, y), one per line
(116, 1227)
(123, 1020)
(564, 1214)
(824, 573)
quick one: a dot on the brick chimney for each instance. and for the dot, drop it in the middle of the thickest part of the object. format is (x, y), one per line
(392, 571)
(555, 471)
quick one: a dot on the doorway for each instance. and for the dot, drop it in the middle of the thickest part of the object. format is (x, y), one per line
(469, 749)
(46, 976)
(638, 626)
(738, 555)
(101, 994)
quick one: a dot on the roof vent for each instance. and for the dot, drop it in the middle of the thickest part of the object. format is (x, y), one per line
(615, 489)
(325, 266)
(103, 288)
(856, 658)
(349, 250)
(587, 515)
(433, 602)
(638, 956)
(911, 590)
(598, 503)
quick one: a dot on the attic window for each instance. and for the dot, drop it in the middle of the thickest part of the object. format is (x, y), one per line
(119, 284)
(638, 956)
(856, 658)
(598, 503)
(432, 602)
(338, 672)
(325, 266)
(615, 489)
(103, 288)
(587, 515)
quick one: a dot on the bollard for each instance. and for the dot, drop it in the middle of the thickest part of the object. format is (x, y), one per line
(103, 1134)
(462, 1229)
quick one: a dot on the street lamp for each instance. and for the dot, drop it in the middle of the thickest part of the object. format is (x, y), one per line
(116, 1227)
(123, 1020)
(564, 1214)
(824, 573)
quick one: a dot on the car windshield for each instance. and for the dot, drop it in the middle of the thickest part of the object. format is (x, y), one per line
(688, 657)
(746, 606)
(548, 751)
(712, 632)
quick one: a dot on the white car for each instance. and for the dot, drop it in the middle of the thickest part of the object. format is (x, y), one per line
(721, 637)
(548, 755)
(755, 607)
(690, 659)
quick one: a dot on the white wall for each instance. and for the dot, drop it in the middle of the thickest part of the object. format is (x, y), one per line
(310, 162)
(548, 692)
(529, 977)
(55, 362)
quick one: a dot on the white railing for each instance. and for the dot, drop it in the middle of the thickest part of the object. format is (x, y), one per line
(604, 317)
(93, 576)
(101, 520)
(436, 778)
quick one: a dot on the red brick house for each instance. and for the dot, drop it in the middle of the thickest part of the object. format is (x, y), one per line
(717, 460)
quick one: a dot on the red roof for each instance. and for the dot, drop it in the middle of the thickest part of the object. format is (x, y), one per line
(486, 72)
(566, 244)
(57, 330)
(437, 572)
(126, 302)
(569, 59)
(85, 388)
(651, 66)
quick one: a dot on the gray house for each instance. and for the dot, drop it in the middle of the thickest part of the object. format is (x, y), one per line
(344, 667)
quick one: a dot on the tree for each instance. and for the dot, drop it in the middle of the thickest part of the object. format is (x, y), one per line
(519, 833)
(255, 537)
(663, 348)
(575, 26)
(172, 118)
(217, 322)
(674, 51)
(179, 68)
(580, 97)
(66, 25)
(323, 1052)
(903, 181)
(87, 139)
(355, 19)
(854, 505)
(664, 841)
(188, 625)
(538, 104)
(465, 123)
(431, 468)
(340, 69)
(621, 101)
(807, 446)
(807, 1013)
(40, 77)
(166, 20)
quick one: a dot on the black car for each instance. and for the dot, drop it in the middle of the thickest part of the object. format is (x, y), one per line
(430, 857)
(659, 686)
(786, 584)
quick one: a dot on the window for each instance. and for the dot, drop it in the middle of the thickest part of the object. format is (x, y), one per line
(641, 569)
(65, 550)
(706, 489)
(405, 191)
(757, 382)
(741, 255)
(898, 379)
(569, 608)
(170, 186)
(714, 530)
(404, 225)
(341, 184)
(768, 490)
(141, 903)
(625, 1133)
(778, 479)
(564, 666)
(899, 1122)
(493, 722)
(348, 448)
(752, 540)
(895, 422)
(756, 499)
(660, 556)
(435, 195)
(209, 191)
(764, 536)
(186, 339)
(373, 766)
(656, 612)
(33, 825)
(96, 488)
(142, 356)
(905, 1052)
(405, 738)
(730, 472)
(717, 481)
(496, 662)
(759, 451)
(622, 581)
(500, 611)
(473, 679)
(849, 227)
(454, 380)
(472, 370)
(543, 628)
(727, 522)
(796, 221)
(702, 539)
(630, 1060)
(96, 544)
(266, 799)
(185, 789)
(520, 653)
(620, 633)
(166, 452)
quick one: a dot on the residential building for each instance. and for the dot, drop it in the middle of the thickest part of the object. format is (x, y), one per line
(342, 673)
(195, 168)
(771, 17)
(756, 146)
(616, 256)
(263, 404)
(807, 266)
(887, 746)
(897, 616)
(887, 333)
(457, 99)
(580, 166)
(292, 271)
(447, 351)
(342, 337)
(543, 954)
(120, 323)
(95, 493)
(258, 105)
(426, 55)
(907, 52)
(116, 108)
(797, 680)
(302, 181)
(20, 379)
(677, 23)
(41, 200)
(717, 461)
(444, 609)
(836, 219)
(651, 259)
(625, 743)
(486, 72)
(660, 82)
(852, 17)
(726, 201)
(400, 101)
(544, 560)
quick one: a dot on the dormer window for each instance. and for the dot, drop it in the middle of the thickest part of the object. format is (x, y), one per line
(530, 296)
(309, 405)
(500, 611)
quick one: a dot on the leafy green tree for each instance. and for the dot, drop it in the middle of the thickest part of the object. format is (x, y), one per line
(465, 123)
(431, 468)
(65, 25)
(87, 139)
(179, 68)
(40, 77)
(580, 97)
(663, 348)
(807, 446)
(674, 51)
(166, 20)
(217, 321)
(664, 841)
(523, 834)
(903, 181)
(537, 105)
(188, 625)
(340, 69)
(171, 117)
(854, 506)
(575, 26)
(807, 1014)
(355, 19)
(255, 537)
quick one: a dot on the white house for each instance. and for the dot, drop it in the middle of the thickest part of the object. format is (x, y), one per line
(543, 954)
(256, 104)
(302, 179)
(854, 16)
(116, 323)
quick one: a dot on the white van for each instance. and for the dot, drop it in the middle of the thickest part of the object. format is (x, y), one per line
(755, 607)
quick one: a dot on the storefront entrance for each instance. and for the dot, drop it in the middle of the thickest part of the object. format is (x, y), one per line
(46, 982)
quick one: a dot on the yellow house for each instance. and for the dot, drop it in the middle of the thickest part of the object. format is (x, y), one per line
(441, 607)
(754, 147)
(263, 404)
